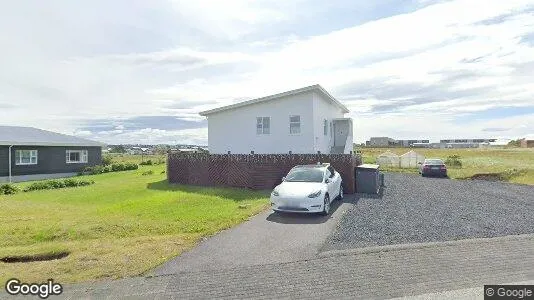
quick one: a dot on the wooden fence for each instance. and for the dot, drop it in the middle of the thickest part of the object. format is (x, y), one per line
(253, 171)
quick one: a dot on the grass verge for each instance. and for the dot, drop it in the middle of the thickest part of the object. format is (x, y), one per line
(123, 225)
(514, 165)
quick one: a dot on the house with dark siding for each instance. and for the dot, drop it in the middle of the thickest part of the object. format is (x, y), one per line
(28, 153)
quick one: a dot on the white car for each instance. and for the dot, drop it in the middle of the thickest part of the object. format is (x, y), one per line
(308, 189)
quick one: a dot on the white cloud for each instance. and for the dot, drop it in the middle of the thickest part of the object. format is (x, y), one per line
(233, 18)
(149, 136)
(403, 71)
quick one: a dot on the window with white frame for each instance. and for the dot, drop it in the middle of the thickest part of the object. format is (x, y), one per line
(25, 157)
(294, 124)
(263, 125)
(76, 156)
(325, 127)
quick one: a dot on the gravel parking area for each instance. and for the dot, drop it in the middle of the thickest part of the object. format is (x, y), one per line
(414, 209)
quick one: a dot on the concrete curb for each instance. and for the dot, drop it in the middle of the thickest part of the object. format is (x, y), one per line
(414, 246)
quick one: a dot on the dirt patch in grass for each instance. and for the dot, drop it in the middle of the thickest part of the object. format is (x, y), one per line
(35, 257)
(487, 176)
(506, 175)
(100, 259)
(124, 225)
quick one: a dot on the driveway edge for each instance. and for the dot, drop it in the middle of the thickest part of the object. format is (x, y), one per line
(397, 247)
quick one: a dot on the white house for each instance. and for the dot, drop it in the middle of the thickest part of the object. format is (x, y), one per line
(305, 120)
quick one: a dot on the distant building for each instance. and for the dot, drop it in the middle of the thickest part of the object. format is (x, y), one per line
(466, 143)
(420, 143)
(409, 143)
(462, 145)
(390, 142)
(463, 141)
(139, 151)
(426, 145)
(524, 143)
(382, 142)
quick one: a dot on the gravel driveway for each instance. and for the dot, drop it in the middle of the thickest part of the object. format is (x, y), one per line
(413, 209)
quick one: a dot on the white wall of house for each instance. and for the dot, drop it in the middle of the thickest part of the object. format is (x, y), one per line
(235, 129)
(323, 109)
(350, 138)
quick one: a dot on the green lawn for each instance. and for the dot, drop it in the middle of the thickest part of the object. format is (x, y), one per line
(123, 225)
(474, 161)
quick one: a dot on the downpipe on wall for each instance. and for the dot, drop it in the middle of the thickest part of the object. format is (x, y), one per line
(10, 162)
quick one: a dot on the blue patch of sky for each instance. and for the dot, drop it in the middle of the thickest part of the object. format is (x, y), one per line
(528, 39)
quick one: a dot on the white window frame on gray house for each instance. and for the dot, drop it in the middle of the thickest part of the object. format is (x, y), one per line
(26, 157)
(294, 124)
(263, 125)
(83, 156)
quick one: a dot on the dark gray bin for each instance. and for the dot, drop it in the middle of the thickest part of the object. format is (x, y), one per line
(368, 179)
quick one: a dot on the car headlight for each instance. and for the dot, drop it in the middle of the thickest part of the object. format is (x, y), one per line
(315, 194)
(275, 193)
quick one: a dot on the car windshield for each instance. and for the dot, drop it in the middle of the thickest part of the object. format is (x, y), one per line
(305, 175)
(433, 162)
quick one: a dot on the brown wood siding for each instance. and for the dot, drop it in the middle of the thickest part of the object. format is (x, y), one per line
(253, 171)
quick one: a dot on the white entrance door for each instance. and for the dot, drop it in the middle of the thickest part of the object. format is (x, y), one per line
(341, 130)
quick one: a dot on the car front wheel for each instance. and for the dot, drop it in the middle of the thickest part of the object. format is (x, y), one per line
(326, 206)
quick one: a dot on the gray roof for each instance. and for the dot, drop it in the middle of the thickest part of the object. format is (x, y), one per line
(313, 88)
(29, 136)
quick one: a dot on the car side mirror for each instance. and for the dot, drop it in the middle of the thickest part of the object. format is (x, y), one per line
(283, 179)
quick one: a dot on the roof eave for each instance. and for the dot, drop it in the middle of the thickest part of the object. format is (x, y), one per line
(50, 144)
(339, 104)
(276, 96)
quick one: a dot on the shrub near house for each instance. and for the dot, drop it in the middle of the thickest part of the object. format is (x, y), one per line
(57, 184)
(110, 168)
(8, 189)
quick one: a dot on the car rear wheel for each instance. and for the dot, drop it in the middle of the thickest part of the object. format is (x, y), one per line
(326, 205)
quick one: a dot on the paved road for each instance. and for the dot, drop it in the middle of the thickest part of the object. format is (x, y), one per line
(265, 239)
(374, 273)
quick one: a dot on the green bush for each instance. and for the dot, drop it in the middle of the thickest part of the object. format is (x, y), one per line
(131, 166)
(8, 189)
(117, 167)
(453, 161)
(146, 163)
(98, 169)
(106, 169)
(107, 160)
(149, 172)
(57, 184)
(87, 171)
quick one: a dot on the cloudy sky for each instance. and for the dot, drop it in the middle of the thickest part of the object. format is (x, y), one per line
(127, 71)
